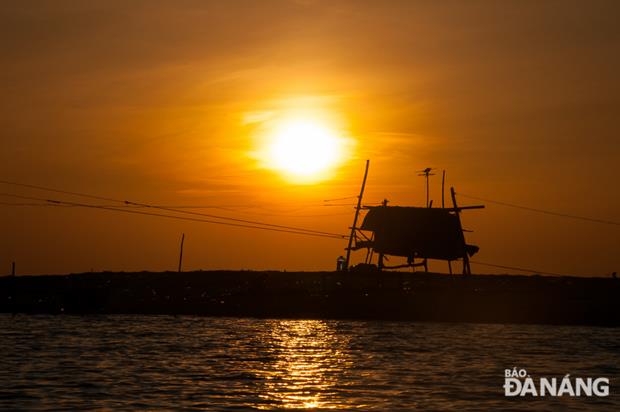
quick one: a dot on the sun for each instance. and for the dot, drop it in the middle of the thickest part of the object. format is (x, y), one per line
(304, 149)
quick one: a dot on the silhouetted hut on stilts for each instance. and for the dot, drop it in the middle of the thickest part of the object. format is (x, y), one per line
(416, 233)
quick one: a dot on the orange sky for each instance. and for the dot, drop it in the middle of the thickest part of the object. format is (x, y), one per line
(150, 101)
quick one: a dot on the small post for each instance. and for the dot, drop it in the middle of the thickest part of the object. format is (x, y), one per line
(357, 212)
(466, 267)
(181, 254)
(443, 185)
(13, 269)
(427, 190)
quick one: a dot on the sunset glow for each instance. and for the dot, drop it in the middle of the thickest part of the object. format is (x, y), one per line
(264, 110)
(303, 149)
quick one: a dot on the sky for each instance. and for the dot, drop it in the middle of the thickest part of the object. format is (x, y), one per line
(169, 103)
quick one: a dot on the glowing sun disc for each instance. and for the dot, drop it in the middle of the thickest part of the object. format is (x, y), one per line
(303, 148)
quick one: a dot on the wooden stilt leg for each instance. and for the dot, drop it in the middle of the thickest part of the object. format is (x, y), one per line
(466, 270)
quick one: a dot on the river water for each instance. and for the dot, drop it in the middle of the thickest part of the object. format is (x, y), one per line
(171, 363)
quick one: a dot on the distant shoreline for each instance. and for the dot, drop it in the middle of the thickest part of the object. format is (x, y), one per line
(522, 299)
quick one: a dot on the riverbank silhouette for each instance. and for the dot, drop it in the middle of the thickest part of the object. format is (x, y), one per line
(322, 295)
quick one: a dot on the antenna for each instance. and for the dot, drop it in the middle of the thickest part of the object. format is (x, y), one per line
(426, 173)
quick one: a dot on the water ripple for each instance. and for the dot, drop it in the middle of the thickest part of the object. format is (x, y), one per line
(164, 362)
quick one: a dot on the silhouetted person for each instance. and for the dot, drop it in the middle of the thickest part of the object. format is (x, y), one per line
(340, 264)
(614, 275)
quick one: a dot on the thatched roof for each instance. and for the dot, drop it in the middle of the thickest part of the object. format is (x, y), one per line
(416, 232)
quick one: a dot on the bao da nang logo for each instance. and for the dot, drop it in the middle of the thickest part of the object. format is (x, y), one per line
(518, 383)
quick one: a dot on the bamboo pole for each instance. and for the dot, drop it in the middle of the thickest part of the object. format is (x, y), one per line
(181, 253)
(443, 190)
(357, 212)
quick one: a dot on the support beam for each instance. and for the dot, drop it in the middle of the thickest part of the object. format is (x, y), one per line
(448, 209)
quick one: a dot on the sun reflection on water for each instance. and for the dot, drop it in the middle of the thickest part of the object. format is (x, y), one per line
(310, 360)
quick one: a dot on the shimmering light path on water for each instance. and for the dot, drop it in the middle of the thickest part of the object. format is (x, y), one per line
(164, 362)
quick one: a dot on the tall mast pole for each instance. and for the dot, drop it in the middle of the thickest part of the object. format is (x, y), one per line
(357, 212)
(443, 191)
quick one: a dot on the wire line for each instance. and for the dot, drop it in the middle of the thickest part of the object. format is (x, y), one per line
(548, 212)
(62, 202)
(518, 269)
(169, 209)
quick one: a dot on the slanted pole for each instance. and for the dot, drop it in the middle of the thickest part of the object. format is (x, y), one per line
(466, 267)
(357, 213)
(181, 253)
(367, 260)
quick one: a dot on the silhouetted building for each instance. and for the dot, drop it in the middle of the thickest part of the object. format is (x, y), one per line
(415, 233)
